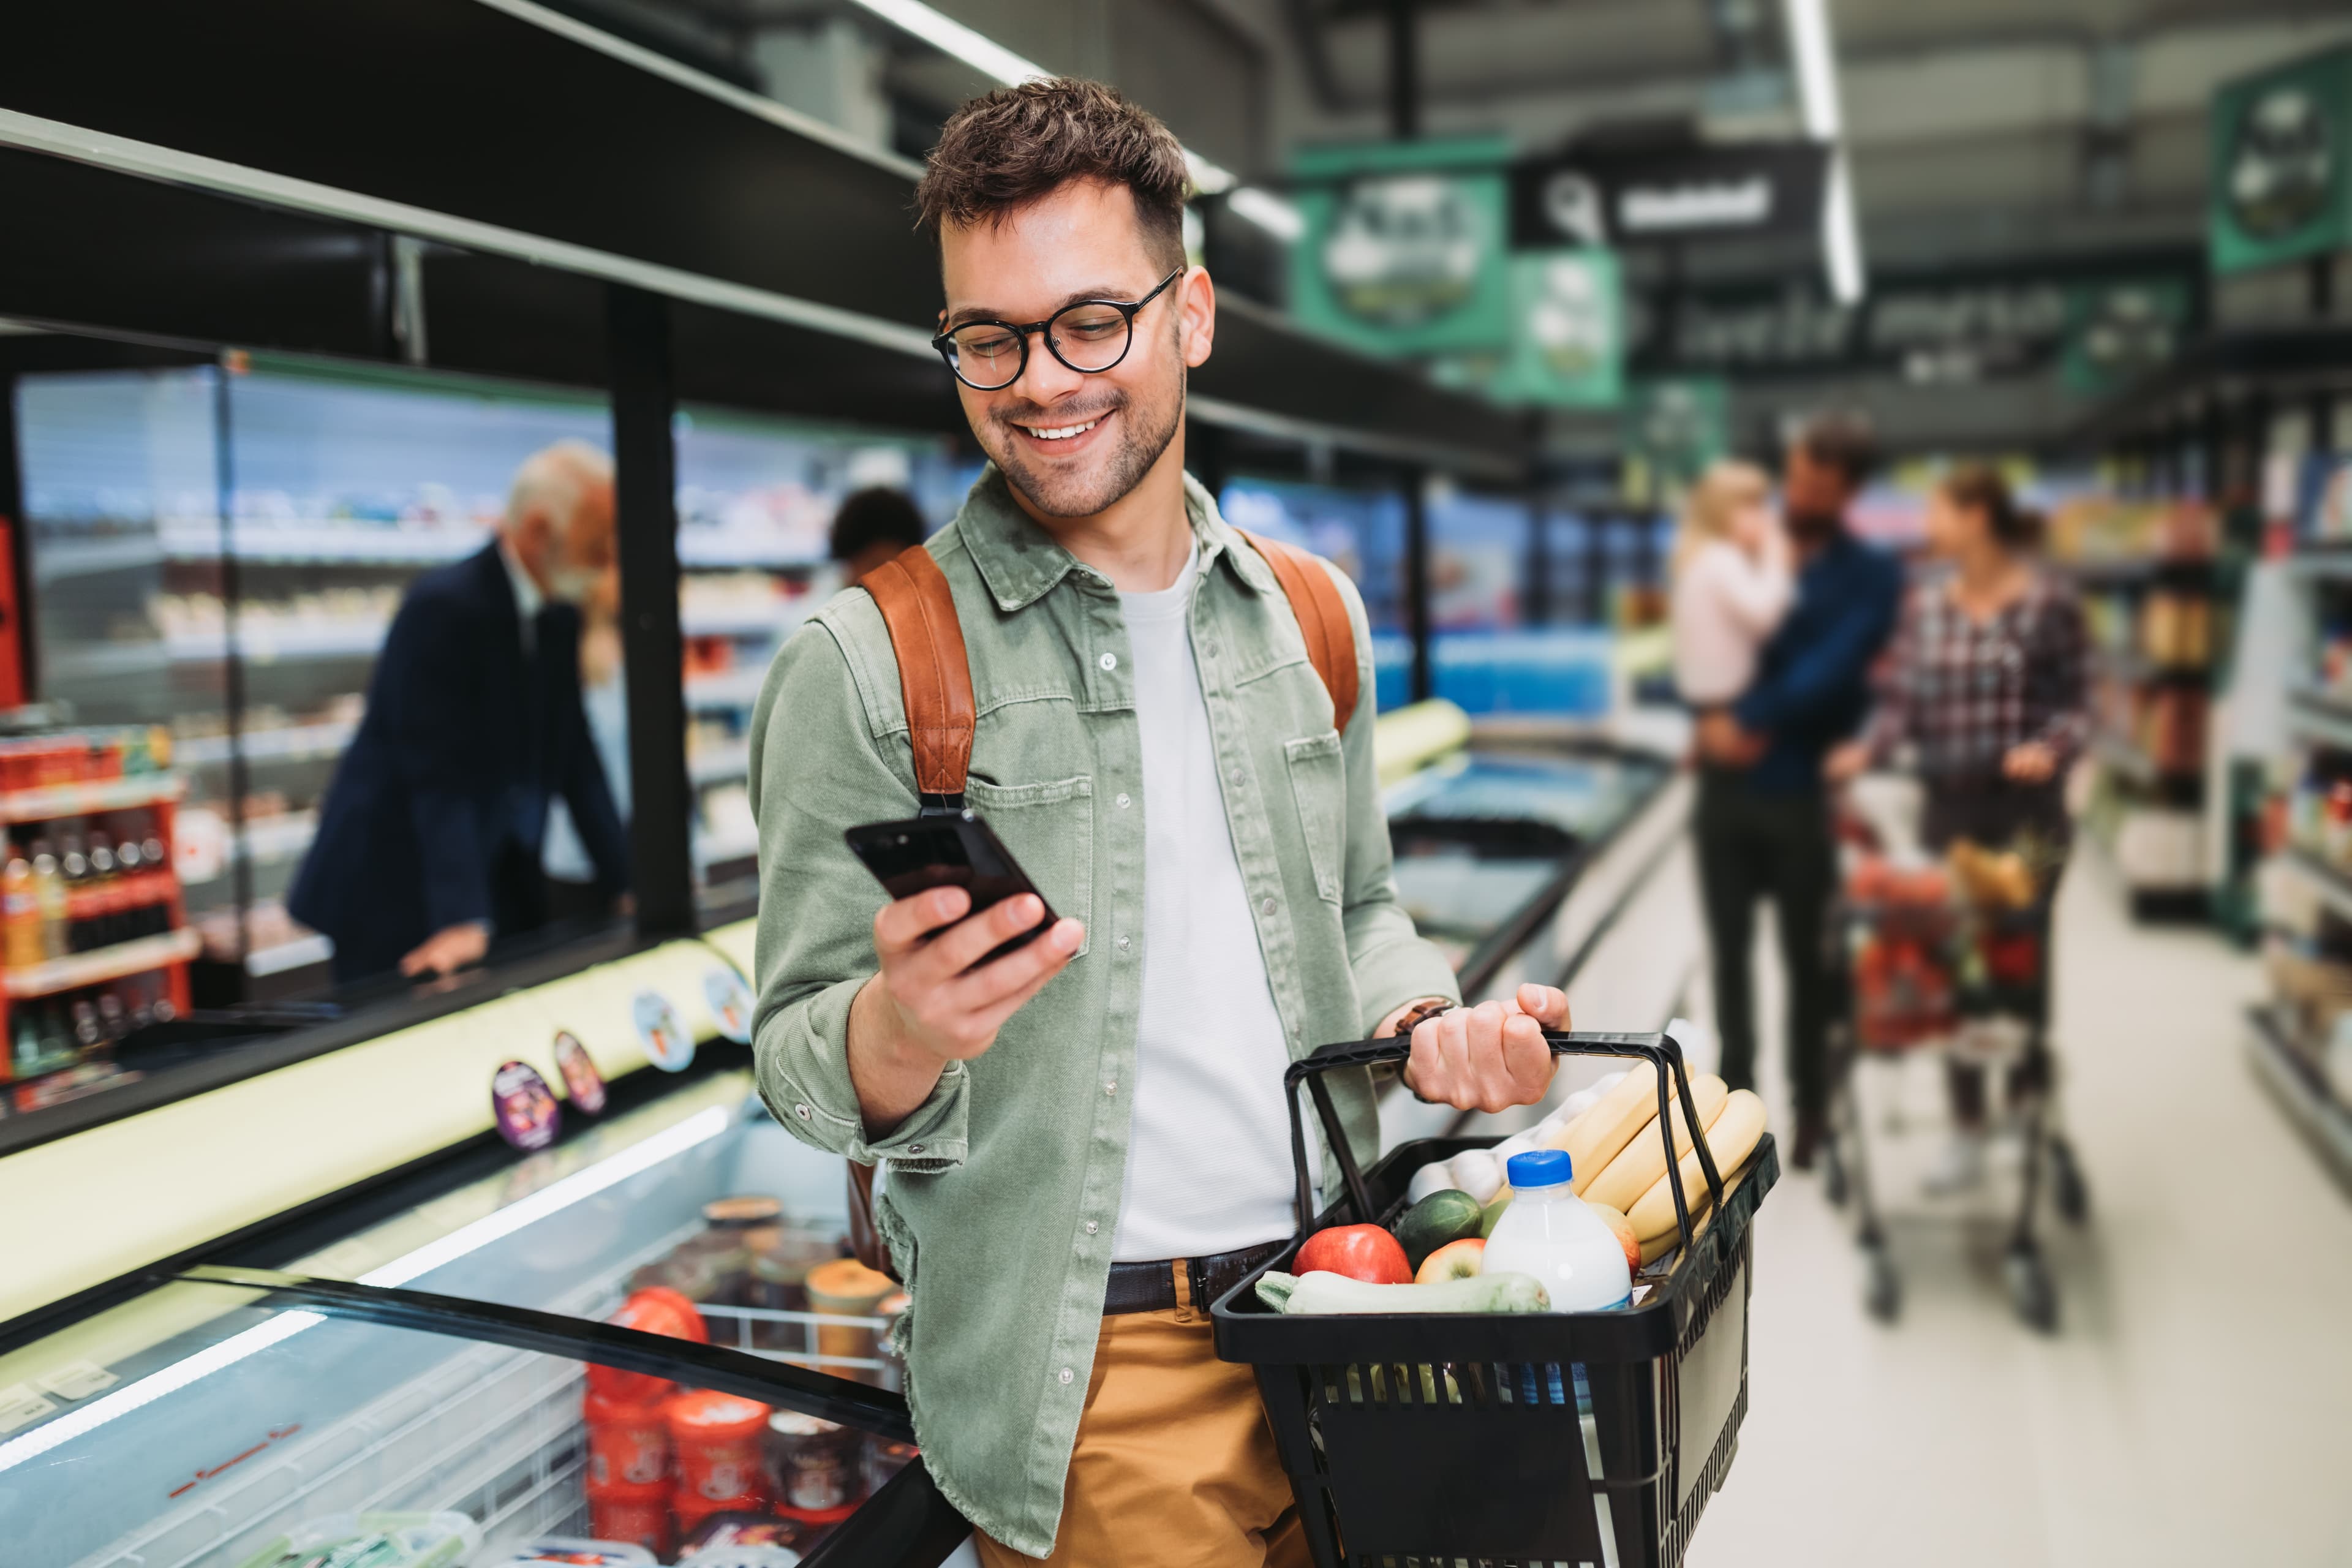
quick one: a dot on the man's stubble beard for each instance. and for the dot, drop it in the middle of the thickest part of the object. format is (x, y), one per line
(1144, 433)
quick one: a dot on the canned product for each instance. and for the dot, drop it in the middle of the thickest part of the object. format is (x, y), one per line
(628, 1444)
(717, 1439)
(814, 1463)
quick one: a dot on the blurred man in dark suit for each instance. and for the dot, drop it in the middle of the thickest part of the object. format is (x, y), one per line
(429, 840)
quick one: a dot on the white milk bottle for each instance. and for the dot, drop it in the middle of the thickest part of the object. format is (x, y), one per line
(1547, 1232)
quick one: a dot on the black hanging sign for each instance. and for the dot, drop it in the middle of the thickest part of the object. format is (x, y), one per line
(1628, 197)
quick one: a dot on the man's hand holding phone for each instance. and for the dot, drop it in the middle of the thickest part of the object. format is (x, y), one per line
(929, 1005)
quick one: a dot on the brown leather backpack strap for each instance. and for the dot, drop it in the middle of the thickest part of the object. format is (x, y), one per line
(934, 675)
(1322, 615)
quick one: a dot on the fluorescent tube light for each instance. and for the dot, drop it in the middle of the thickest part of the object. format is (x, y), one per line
(1807, 25)
(949, 36)
(1269, 212)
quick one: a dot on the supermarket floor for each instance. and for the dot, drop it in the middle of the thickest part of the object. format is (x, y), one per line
(2192, 1406)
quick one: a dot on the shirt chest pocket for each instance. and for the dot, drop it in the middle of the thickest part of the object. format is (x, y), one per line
(1318, 782)
(1050, 829)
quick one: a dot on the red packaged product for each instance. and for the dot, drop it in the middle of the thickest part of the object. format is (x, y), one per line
(629, 1445)
(638, 1521)
(656, 1310)
(718, 1440)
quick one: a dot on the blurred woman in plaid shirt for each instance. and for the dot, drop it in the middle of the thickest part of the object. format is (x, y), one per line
(1983, 696)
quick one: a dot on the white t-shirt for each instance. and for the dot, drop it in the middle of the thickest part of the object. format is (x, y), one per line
(1208, 1159)
(1726, 603)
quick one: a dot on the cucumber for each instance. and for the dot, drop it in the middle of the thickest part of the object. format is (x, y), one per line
(1322, 1292)
(1446, 1216)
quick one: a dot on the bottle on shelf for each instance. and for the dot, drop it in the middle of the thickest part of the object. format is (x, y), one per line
(22, 941)
(49, 892)
(106, 905)
(73, 865)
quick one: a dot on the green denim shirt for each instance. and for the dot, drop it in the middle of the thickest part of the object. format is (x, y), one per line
(1002, 1189)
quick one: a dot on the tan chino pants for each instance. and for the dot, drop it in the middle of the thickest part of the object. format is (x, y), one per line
(1175, 1465)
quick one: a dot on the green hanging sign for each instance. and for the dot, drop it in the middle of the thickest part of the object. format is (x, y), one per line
(1679, 426)
(1567, 331)
(2280, 186)
(1405, 245)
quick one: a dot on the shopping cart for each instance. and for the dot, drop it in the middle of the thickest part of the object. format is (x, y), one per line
(1952, 959)
(1587, 1437)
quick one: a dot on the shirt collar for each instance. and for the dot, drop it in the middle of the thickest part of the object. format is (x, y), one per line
(1020, 562)
(528, 600)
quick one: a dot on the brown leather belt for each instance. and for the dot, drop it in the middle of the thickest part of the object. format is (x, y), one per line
(1152, 1287)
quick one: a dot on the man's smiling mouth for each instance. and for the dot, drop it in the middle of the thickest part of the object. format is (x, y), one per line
(1059, 432)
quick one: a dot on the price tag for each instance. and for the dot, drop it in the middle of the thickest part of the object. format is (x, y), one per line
(581, 1082)
(78, 1380)
(663, 1033)
(731, 1002)
(20, 1406)
(524, 1107)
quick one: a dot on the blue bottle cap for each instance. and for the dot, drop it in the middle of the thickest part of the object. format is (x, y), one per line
(1540, 1168)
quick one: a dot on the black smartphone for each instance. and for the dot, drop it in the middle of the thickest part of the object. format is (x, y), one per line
(957, 851)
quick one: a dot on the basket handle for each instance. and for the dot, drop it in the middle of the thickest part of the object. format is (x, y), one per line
(1661, 1051)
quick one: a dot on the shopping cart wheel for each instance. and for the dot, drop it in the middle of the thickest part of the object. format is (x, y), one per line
(2067, 1189)
(2031, 1291)
(1882, 1290)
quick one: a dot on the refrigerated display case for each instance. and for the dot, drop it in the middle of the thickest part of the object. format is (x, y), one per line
(247, 1419)
(221, 547)
(756, 500)
(1489, 839)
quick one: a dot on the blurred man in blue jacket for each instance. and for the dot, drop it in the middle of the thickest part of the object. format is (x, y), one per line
(1763, 819)
(429, 840)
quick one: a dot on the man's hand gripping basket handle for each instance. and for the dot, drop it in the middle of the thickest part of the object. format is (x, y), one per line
(1664, 1056)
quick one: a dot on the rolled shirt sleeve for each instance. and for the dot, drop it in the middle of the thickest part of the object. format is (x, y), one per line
(816, 770)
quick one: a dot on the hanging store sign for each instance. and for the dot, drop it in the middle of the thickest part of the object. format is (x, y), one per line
(1567, 347)
(1653, 196)
(1679, 426)
(2096, 329)
(1404, 252)
(2281, 164)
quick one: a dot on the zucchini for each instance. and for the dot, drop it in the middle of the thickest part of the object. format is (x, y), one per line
(1321, 1291)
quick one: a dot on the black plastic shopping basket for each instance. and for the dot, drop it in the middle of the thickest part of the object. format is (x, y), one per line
(1491, 1439)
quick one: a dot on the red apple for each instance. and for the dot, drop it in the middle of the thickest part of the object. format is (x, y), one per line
(1363, 1252)
(1455, 1260)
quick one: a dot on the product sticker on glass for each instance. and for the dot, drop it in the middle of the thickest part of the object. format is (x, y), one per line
(525, 1108)
(662, 1032)
(583, 1084)
(731, 1002)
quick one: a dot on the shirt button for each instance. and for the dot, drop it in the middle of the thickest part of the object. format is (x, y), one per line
(1111, 1087)
(1092, 1227)
(1213, 650)
(1066, 1374)
(802, 1112)
(1124, 802)
(1108, 661)
(1237, 775)
(1265, 908)
(1123, 944)
(914, 1148)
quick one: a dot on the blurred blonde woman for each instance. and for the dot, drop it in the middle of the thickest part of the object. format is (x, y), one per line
(1732, 582)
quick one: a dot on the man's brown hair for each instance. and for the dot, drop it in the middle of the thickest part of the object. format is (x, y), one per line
(1008, 148)
(1843, 440)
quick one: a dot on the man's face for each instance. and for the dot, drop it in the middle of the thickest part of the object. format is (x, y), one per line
(580, 558)
(1813, 494)
(1072, 443)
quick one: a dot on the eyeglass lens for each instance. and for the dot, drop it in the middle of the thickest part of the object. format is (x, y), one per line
(1086, 337)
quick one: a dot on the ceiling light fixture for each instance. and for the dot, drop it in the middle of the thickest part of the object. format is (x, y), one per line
(993, 60)
(1807, 26)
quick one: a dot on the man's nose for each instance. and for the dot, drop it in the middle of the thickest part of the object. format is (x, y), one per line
(1045, 377)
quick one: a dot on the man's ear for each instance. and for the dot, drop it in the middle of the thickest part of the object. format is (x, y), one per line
(1199, 305)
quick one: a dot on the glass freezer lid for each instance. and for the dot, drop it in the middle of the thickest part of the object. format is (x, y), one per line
(270, 1407)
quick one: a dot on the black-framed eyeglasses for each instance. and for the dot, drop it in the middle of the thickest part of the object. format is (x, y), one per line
(1090, 336)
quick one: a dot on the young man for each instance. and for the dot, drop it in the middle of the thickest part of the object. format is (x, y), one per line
(1085, 1139)
(1762, 822)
